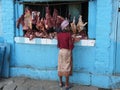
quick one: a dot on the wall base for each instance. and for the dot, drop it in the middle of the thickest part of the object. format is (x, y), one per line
(83, 78)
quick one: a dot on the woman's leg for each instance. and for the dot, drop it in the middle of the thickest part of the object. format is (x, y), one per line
(61, 83)
(67, 82)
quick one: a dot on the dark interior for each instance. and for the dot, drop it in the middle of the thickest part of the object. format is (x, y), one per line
(62, 7)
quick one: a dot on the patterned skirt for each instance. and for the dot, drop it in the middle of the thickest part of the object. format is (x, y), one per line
(64, 62)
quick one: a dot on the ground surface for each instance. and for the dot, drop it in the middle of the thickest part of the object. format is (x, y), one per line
(23, 83)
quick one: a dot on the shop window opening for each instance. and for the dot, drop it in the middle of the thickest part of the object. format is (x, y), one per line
(43, 19)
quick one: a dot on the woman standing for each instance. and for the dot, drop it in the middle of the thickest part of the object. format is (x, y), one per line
(65, 44)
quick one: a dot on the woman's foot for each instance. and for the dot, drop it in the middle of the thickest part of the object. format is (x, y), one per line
(66, 86)
(61, 84)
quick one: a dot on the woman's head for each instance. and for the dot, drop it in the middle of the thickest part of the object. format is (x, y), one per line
(65, 25)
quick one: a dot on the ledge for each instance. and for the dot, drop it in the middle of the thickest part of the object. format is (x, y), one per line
(45, 41)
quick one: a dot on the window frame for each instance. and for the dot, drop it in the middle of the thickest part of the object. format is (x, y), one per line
(20, 39)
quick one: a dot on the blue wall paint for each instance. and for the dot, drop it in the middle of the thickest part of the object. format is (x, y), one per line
(8, 21)
(91, 65)
(46, 57)
(113, 35)
(6, 59)
(42, 60)
(0, 19)
(92, 19)
(81, 78)
(118, 45)
(103, 30)
(117, 68)
(8, 29)
(40, 56)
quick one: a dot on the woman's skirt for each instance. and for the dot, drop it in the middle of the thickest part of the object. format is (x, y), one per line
(65, 62)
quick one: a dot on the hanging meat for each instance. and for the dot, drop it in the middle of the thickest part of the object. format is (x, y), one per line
(81, 28)
(35, 19)
(55, 14)
(41, 25)
(80, 24)
(48, 19)
(73, 26)
(41, 29)
(20, 21)
(58, 19)
(25, 20)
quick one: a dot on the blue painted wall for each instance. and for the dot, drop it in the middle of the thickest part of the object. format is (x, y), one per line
(103, 31)
(91, 65)
(8, 24)
(92, 19)
(43, 59)
(117, 67)
(0, 18)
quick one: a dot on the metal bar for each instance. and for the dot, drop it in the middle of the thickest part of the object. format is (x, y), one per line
(49, 0)
(44, 4)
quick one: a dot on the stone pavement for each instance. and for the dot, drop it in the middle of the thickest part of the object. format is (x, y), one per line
(22, 83)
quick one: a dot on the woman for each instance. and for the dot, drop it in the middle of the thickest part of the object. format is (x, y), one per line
(65, 44)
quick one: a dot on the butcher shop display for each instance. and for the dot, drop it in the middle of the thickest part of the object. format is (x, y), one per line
(36, 26)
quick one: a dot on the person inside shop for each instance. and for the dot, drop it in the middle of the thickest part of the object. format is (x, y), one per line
(65, 43)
